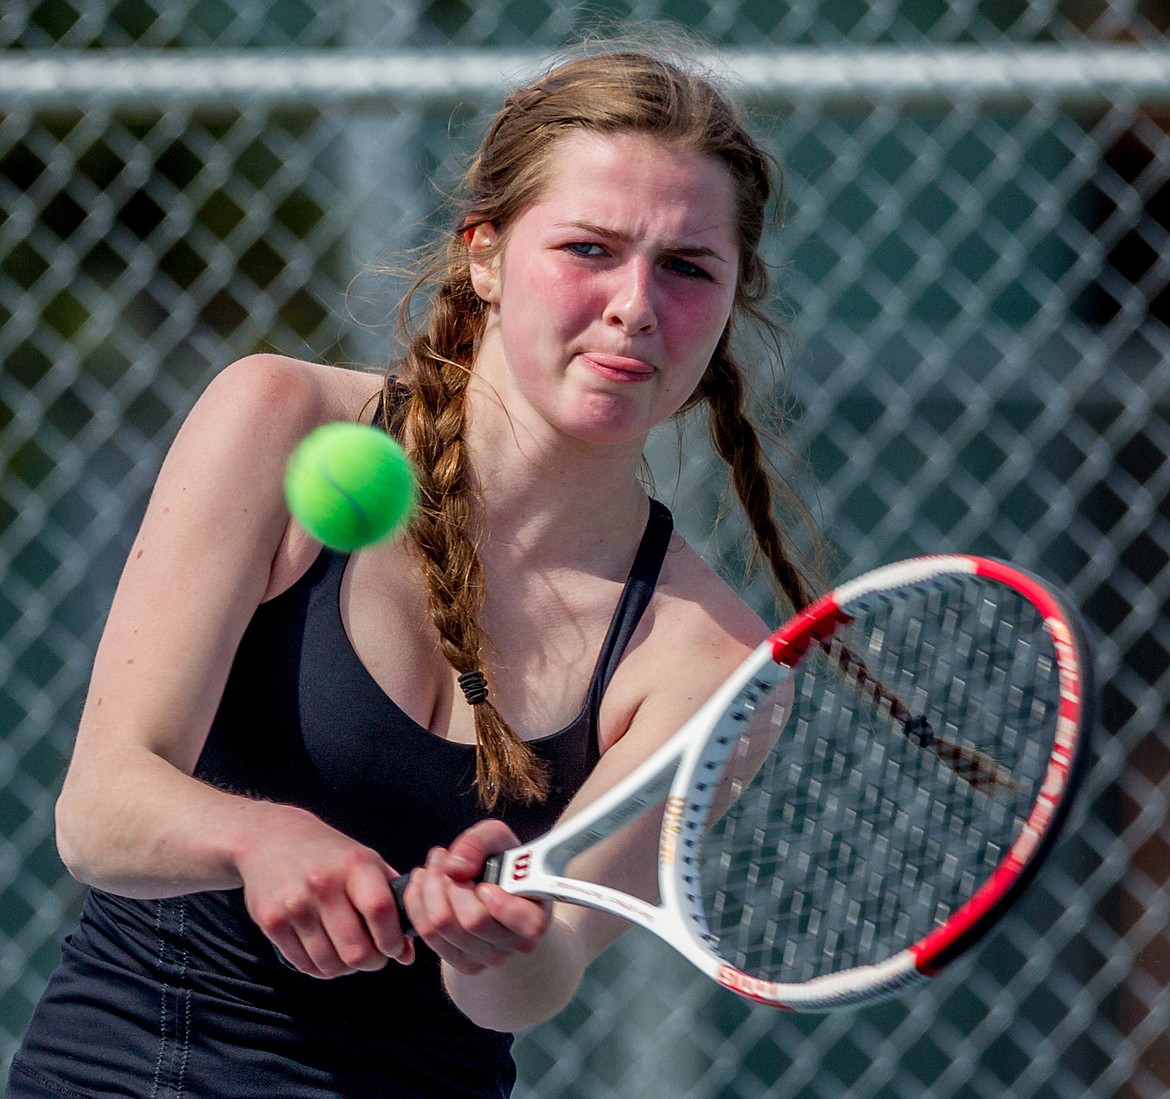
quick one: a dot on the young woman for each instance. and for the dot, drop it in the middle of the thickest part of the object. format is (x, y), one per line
(273, 732)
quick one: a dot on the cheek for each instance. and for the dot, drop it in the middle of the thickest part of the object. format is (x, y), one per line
(697, 323)
(552, 302)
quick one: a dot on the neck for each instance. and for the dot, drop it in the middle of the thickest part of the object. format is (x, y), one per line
(548, 497)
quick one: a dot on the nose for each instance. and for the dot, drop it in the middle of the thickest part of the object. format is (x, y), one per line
(630, 306)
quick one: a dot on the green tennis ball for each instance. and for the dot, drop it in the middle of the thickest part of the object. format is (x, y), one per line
(350, 485)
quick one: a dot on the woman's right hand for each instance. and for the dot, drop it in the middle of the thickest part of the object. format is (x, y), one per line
(322, 898)
(471, 924)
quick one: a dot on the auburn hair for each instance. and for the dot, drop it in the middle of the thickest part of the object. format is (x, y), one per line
(612, 91)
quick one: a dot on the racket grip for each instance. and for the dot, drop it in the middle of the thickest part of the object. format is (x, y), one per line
(490, 873)
(398, 889)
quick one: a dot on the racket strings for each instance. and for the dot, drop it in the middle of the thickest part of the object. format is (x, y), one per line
(847, 844)
(974, 767)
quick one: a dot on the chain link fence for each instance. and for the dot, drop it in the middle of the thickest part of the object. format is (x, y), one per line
(976, 260)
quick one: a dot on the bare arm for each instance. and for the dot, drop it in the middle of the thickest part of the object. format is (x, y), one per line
(506, 968)
(131, 818)
(128, 817)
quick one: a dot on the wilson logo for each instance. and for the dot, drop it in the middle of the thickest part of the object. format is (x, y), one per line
(520, 866)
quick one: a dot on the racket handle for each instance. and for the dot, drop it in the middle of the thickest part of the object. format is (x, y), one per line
(397, 889)
(490, 873)
(492, 869)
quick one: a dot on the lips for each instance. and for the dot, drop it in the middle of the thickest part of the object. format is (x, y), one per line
(619, 368)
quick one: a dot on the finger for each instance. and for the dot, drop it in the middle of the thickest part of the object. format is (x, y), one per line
(338, 941)
(308, 947)
(369, 892)
(433, 900)
(471, 849)
(292, 954)
(492, 931)
(473, 929)
(527, 918)
(296, 931)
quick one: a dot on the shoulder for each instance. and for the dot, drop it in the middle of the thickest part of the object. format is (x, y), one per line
(240, 433)
(254, 411)
(700, 620)
(221, 484)
(696, 632)
(288, 392)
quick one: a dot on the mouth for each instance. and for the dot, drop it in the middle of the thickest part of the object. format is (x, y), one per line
(618, 368)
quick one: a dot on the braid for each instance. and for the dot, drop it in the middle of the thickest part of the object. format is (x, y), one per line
(627, 89)
(434, 415)
(737, 442)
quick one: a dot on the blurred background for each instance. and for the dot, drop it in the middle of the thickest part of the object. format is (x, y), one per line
(976, 262)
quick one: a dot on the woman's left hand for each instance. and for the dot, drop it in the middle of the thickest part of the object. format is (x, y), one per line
(472, 925)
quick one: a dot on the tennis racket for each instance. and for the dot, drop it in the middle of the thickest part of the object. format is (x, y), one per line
(864, 798)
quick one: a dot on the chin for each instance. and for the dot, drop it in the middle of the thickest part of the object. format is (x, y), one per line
(605, 430)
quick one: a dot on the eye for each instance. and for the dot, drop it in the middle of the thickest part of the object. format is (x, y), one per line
(685, 268)
(585, 248)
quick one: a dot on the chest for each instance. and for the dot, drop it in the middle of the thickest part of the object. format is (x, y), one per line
(303, 722)
(540, 637)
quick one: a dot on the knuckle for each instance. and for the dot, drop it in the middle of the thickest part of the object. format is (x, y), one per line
(379, 909)
(271, 921)
(320, 882)
(296, 909)
(426, 928)
(356, 955)
(358, 859)
(479, 924)
(276, 920)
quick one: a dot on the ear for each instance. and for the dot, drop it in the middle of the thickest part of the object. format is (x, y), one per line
(484, 262)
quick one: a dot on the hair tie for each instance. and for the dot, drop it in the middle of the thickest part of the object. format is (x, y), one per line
(474, 687)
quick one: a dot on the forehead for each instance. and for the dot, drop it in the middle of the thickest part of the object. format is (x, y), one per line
(638, 183)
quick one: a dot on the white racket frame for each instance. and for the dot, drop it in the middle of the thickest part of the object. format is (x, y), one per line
(667, 779)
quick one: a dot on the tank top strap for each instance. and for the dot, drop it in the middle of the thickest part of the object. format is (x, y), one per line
(635, 598)
(632, 604)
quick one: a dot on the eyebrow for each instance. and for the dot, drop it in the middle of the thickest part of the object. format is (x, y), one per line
(690, 251)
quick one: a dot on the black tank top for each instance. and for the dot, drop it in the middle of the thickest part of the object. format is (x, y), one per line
(183, 986)
(303, 722)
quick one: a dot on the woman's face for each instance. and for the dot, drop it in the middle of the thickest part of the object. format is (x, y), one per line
(612, 289)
